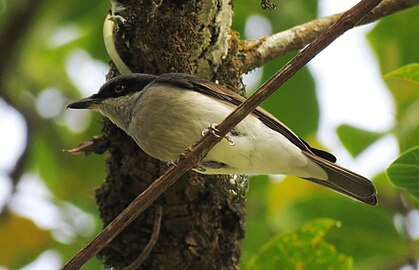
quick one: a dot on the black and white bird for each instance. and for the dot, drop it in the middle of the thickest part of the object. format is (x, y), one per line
(166, 114)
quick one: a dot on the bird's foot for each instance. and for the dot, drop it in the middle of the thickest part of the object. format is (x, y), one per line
(118, 20)
(229, 139)
(214, 131)
(171, 164)
(200, 168)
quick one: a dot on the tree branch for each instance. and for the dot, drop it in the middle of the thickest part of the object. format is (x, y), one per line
(197, 151)
(259, 52)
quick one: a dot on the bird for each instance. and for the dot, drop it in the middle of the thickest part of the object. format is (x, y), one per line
(166, 114)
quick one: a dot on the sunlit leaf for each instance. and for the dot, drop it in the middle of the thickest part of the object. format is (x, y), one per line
(290, 189)
(356, 139)
(303, 249)
(20, 240)
(394, 39)
(406, 97)
(409, 73)
(404, 172)
(367, 234)
(295, 103)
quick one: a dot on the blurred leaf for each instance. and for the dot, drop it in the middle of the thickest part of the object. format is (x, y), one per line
(283, 193)
(356, 139)
(406, 97)
(409, 73)
(404, 172)
(20, 240)
(367, 234)
(389, 197)
(303, 249)
(395, 41)
(44, 52)
(286, 15)
(256, 226)
(295, 103)
(266, 198)
(70, 178)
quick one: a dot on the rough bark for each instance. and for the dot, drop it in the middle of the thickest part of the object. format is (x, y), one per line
(202, 217)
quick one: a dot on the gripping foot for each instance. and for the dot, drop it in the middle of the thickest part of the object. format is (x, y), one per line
(214, 131)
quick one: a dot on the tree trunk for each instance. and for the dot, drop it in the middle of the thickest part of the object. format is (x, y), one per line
(202, 217)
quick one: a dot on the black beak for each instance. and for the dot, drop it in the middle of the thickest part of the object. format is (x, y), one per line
(84, 103)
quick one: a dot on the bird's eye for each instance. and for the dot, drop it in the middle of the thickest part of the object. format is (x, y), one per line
(119, 88)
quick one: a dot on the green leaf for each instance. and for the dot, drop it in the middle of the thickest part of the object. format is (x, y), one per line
(406, 96)
(367, 235)
(408, 72)
(295, 103)
(356, 139)
(394, 39)
(404, 172)
(304, 249)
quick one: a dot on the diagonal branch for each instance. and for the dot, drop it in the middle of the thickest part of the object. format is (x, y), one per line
(259, 52)
(197, 151)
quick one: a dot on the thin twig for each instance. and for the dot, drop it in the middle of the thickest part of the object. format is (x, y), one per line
(259, 52)
(153, 239)
(98, 145)
(197, 151)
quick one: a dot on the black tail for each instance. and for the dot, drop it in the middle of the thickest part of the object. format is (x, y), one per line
(344, 181)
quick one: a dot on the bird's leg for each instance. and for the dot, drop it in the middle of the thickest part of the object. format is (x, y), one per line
(229, 139)
(213, 129)
(171, 163)
(198, 167)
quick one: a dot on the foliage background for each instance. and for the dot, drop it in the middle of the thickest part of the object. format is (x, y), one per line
(58, 56)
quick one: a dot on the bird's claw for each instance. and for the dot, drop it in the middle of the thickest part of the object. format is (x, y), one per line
(200, 168)
(229, 139)
(214, 131)
(117, 19)
(171, 164)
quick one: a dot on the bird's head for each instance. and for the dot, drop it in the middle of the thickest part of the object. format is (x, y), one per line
(115, 98)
